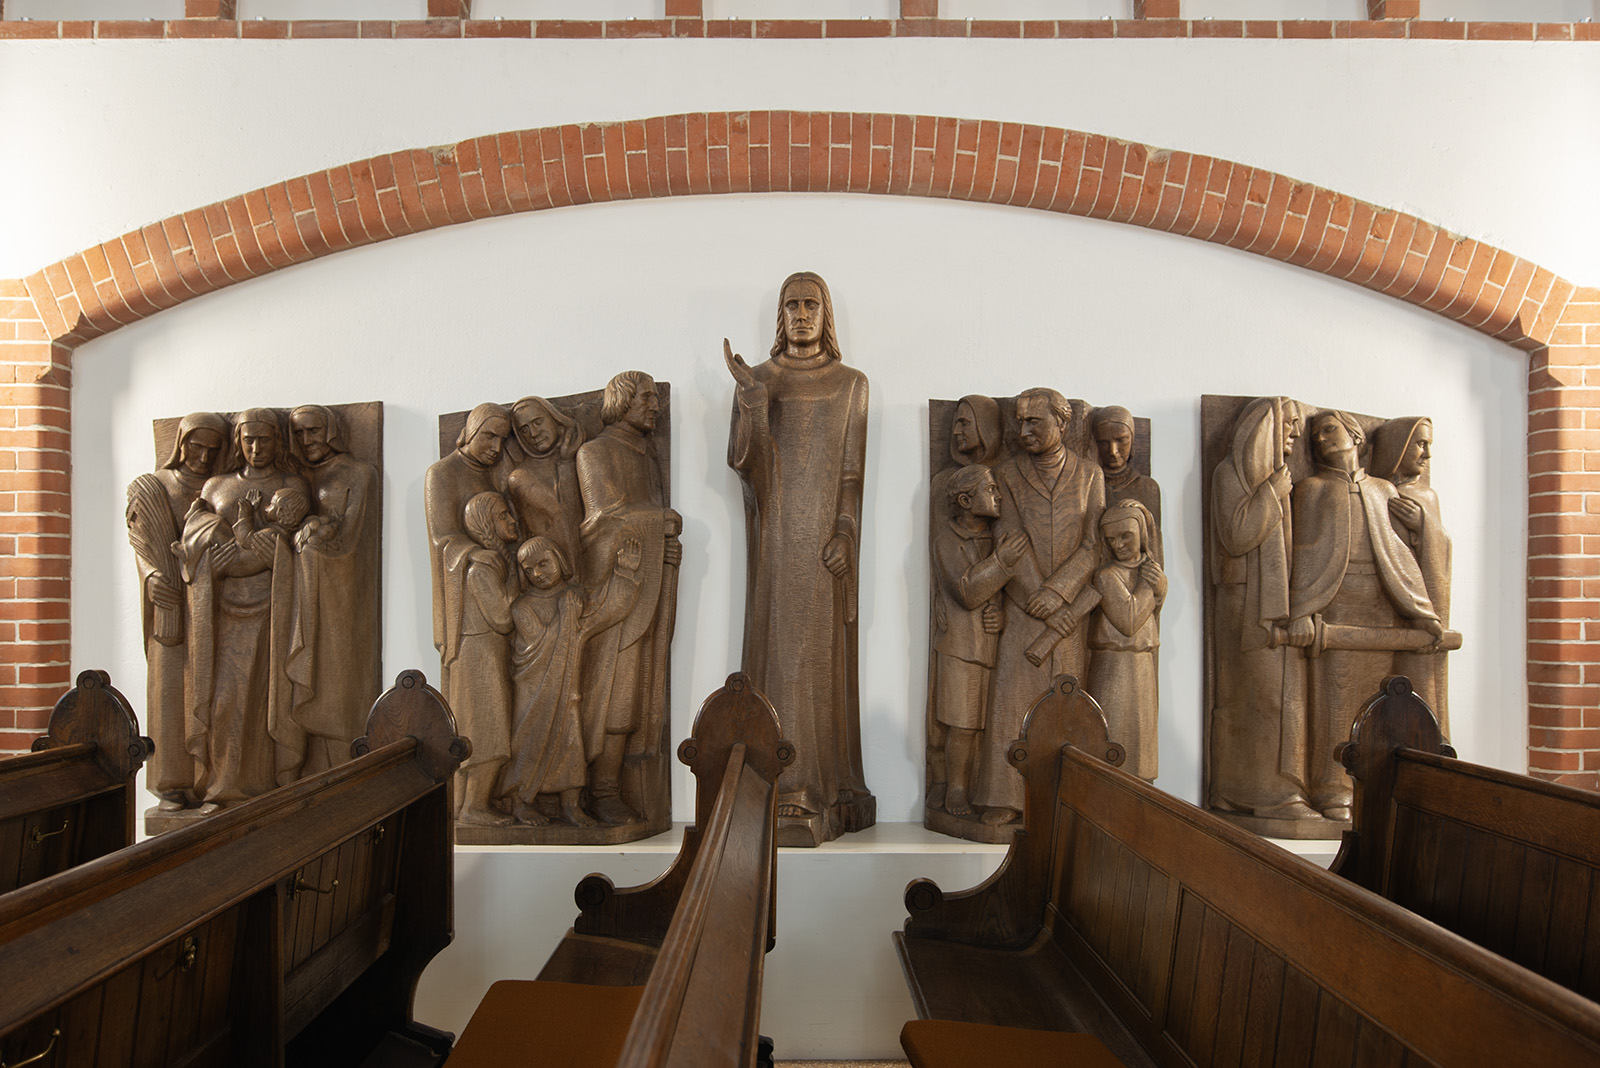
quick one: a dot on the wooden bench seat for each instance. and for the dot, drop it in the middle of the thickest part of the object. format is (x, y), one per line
(72, 799)
(287, 930)
(1507, 861)
(1176, 938)
(669, 973)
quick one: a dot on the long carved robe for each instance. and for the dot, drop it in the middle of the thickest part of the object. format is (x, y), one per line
(479, 590)
(1062, 522)
(446, 489)
(157, 505)
(1258, 718)
(1123, 640)
(547, 751)
(801, 458)
(335, 659)
(1350, 567)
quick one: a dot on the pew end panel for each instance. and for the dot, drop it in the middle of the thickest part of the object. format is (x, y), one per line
(72, 798)
(1007, 909)
(288, 930)
(616, 936)
(1507, 861)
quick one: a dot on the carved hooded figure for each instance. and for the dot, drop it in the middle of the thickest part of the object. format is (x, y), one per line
(1403, 453)
(1258, 712)
(543, 485)
(158, 502)
(1115, 433)
(1126, 632)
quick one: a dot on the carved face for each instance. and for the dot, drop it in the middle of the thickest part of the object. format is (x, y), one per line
(505, 524)
(802, 313)
(985, 501)
(539, 430)
(484, 446)
(644, 408)
(311, 432)
(1115, 442)
(964, 431)
(259, 443)
(545, 571)
(1419, 450)
(1122, 538)
(1331, 437)
(1037, 426)
(1291, 434)
(199, 451)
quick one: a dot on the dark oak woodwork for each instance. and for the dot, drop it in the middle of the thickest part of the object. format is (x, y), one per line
(288, 930)
(1178, 939)
(694, 939)
(71, 799)
(1504, 860)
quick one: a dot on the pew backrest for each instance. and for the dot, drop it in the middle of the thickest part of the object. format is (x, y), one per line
(290, 929)
(1213, 947)
(1507, 861)
(72, 798)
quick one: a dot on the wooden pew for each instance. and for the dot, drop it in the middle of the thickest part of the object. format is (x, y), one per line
(287, 930)
(72, 799)
(1507, 861)
(668, 973)
(1171, 937)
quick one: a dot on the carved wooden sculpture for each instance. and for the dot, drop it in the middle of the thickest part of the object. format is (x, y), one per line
(798, 442)
(562, 594)
(1315, 592)
(258, 550)
(1017, 604)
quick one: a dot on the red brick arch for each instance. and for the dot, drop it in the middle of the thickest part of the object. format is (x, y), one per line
(45, 316)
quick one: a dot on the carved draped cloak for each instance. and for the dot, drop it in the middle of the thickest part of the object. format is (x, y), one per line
(446, 489)
(334, 658)
(801, 458)
(547, 749)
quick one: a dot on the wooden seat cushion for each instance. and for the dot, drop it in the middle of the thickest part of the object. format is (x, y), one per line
(528, 1023)
(953, 1044)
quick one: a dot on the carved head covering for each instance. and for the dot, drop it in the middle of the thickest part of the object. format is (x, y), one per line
(991, 435)
(1135, 510)
(571, 433)
(200, 421)
(331, 421)
(479, 518)
(283, 459)
(1112, 413)
(479, 416)
(1389, 444)
(1258, 437)
(534, 548)
(830, 335)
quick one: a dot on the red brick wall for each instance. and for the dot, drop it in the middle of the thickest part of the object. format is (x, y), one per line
(1042, 168)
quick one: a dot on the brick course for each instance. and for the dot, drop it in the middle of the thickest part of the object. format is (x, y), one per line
(45, 316)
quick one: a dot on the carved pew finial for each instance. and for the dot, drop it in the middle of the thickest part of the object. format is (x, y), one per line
(95, 713)
(413, 709)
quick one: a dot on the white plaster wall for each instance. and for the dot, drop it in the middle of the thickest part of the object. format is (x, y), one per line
(935, 299)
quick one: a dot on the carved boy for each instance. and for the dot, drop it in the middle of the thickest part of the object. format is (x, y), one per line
(970, 571)
(481, 581)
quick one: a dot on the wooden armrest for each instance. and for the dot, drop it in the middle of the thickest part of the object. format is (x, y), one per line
(528, 1023)
(953, 1044)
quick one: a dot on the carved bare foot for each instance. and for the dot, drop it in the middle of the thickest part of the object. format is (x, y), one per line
(482, 817)
(999, 816)
(575, 815)
(529, 814)
(612, 810)
(956, 804)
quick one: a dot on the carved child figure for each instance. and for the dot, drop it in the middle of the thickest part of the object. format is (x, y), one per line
(547, 753)
(970, 570)
(1126, 634)
(284, 513)
(481, 575)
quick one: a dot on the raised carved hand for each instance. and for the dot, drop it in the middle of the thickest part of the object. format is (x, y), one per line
(750, 391)
(1010, 547)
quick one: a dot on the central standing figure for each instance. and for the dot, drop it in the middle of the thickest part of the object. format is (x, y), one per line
(799, 443)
